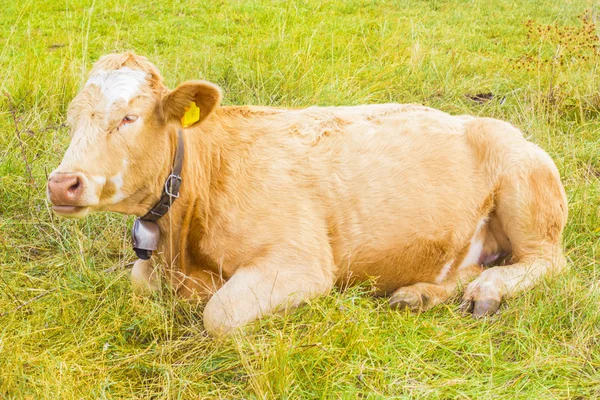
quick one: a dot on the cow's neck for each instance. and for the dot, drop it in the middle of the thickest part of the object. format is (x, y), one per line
(199, 167)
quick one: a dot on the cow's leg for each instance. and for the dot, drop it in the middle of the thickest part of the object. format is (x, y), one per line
(271, 284)
(532, 209)
(144, 277)
(484, 294)
(423, 296)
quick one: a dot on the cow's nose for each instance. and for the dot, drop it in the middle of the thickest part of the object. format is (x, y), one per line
(65, 189)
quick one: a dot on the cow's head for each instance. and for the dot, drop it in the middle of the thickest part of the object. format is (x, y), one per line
(122, 127)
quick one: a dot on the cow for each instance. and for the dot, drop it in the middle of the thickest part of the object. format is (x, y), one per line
(276, 206)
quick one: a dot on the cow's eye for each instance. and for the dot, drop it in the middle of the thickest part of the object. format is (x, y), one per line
(129, 119)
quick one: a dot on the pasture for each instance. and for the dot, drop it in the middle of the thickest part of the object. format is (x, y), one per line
(70, 324)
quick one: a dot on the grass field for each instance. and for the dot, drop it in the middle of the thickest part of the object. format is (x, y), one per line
(70, 326)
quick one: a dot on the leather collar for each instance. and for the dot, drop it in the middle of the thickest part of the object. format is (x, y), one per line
(145, 234)
(171, 187)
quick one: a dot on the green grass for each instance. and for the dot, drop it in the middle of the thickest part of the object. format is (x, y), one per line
(72, 328)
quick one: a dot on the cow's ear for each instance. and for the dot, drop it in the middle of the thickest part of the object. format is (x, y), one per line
(175, 104)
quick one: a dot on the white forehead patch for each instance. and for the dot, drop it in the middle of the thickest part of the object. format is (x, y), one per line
(121, 84)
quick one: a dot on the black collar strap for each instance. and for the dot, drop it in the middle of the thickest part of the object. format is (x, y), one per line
(145, 233)
(171, 187)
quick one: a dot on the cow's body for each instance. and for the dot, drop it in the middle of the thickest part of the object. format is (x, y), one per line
(392, 191)
(277, 205)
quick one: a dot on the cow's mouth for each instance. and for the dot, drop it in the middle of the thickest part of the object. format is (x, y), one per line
(71, 211)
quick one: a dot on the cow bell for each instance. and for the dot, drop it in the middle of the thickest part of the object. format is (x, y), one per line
(145, 235)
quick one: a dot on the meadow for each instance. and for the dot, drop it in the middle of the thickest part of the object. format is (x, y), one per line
(70, 324)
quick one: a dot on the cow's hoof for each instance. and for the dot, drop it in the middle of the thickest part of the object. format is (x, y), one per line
(466, 306)
(484, 308)
(408, 300)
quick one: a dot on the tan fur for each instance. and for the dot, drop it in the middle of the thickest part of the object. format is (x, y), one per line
(278, 205)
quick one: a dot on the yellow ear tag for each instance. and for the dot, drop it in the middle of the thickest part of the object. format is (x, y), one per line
(191, 116)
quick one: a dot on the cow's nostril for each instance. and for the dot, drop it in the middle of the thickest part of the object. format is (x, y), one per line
(75, 186)
(65, 189)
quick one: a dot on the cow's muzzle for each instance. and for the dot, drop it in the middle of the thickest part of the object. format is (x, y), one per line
(65, 192)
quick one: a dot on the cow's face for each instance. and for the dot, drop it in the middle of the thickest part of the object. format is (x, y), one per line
(122, 124)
